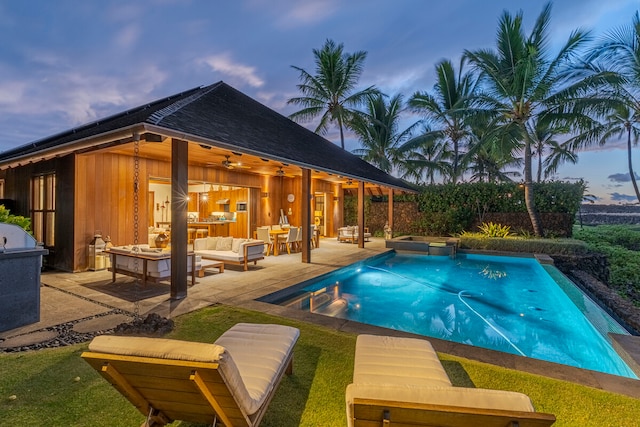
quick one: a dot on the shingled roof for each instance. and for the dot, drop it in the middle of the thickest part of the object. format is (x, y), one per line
(224, 116)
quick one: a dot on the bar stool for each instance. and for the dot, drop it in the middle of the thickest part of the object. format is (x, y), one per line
(201, 232)
(191, 234)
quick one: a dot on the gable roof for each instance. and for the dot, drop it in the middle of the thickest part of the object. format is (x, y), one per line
(223, 116)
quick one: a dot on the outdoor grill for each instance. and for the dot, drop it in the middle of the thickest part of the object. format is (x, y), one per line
(20, 265)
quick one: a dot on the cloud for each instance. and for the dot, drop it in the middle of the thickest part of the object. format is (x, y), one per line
(622, 177)
(225, 65)
(127, 37)
(304, 13)
(617, 197)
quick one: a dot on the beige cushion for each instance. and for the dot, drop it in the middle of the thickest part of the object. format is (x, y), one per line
(393, 360)
(212, 242)
(258, 351)
(450, 396)
(250, 356)
(235, 245)
(224, 244)
(156, 347)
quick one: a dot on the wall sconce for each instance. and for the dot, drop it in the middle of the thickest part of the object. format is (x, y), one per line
(289, 212)
(265, 194)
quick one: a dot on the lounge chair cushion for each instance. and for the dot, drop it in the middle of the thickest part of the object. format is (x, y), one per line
(394, 360)
(250, 356)
(258, 350)
(156, 347)
(463, 397)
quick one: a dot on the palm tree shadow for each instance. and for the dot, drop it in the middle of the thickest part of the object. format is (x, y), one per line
(457, 374)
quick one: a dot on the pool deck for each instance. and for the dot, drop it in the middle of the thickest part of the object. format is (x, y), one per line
(88, 302)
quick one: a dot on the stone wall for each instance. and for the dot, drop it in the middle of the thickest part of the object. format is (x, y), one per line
(404, 215)
(608, 214)
(621, 309)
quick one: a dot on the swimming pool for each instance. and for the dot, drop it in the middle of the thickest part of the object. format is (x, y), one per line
(507, 304)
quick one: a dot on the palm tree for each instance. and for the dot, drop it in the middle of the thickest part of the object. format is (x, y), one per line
(330, 92)
(620, 50)
(424, 157)
(378, 132)
(448, 109)
(486, 158)
(523, 81)
(550, 152)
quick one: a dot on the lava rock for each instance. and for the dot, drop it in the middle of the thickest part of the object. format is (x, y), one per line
(153, 325)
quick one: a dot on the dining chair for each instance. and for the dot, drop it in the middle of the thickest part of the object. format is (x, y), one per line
(262, 233)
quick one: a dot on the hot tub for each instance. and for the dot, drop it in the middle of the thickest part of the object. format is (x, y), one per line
(429, 245)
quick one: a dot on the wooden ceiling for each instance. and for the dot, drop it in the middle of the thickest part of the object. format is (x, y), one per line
(220, 158)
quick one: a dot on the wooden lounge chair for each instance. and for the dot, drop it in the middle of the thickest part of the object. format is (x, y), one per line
(401, 382)
(231, 381)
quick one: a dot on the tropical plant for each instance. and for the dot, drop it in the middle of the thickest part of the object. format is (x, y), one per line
(331, 92)
(522, 81)
(20, 221)
(448, 109)
(378, 131)
(490, 229)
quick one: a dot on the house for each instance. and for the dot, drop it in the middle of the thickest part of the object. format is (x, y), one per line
(203, 154)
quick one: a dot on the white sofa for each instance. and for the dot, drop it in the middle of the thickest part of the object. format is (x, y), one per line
(401, 380)
(151, 264)
(351, 233)
(230, 250)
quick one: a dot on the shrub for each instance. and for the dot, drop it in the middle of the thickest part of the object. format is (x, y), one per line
(620, 244)
(523, 245)
(494, 230)
(20, 221)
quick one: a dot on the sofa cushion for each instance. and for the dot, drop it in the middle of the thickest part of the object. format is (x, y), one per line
(212, 242)
(235, 246)
(224, 244)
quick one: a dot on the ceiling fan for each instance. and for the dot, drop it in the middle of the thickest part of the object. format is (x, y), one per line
(231, 165)
(282, 172)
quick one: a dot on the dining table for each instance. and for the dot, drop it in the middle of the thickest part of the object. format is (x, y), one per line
(275, 235)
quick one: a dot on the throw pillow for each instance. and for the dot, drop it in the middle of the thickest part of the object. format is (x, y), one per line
(224, 244)
(212, 242)
(235, 247)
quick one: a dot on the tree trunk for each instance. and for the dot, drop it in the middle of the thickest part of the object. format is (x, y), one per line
(528, 191)
(632, 174)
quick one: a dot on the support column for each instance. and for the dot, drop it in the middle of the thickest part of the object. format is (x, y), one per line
(306, 215)
(361, 214)
(179, 193)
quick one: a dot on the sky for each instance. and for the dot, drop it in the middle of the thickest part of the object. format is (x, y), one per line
(64, 63)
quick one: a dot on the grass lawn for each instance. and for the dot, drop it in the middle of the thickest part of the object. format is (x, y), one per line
(57, 388)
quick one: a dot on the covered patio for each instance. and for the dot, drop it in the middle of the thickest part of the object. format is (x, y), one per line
(210, 156)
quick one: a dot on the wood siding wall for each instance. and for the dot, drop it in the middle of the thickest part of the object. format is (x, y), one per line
(95, 193)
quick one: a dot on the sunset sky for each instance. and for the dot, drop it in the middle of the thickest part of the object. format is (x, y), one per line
(68, 62)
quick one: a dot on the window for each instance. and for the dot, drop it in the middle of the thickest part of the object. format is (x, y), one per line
(1, 188)
(43, 208)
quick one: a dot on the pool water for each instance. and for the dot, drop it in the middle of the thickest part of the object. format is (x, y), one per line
(507, 304)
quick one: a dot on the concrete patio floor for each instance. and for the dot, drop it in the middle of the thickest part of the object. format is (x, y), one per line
(90, 303)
